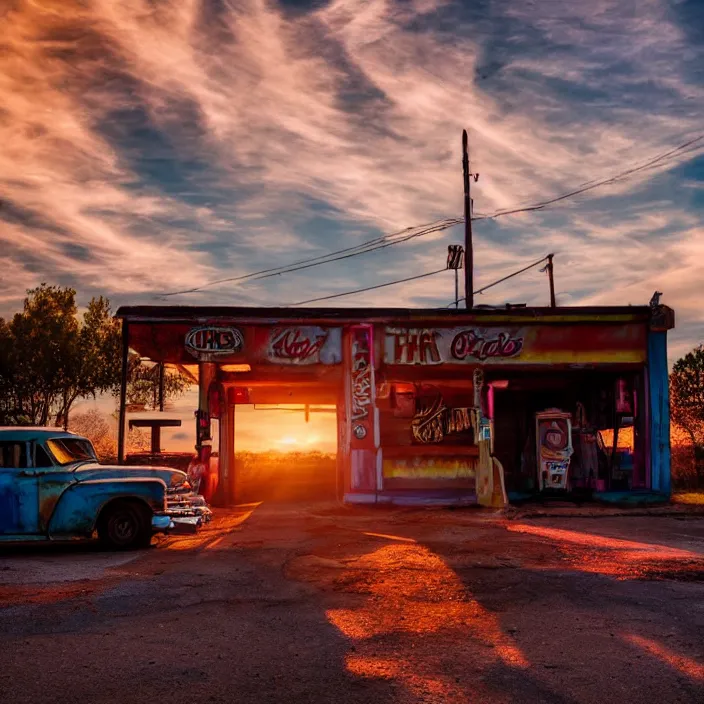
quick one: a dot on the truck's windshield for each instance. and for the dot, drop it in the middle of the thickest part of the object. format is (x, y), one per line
(68, 450)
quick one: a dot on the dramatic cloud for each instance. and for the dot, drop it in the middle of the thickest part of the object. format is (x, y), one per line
(153, 145)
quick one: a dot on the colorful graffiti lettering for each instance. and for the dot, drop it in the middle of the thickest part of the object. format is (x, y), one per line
(469, 343)
(415, 346)
(214, 341)
(431, 424)
(361, 380)
(361, 387)
(297, 345)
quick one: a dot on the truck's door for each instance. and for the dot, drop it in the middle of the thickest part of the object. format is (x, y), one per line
(52, 481)
(18, 490)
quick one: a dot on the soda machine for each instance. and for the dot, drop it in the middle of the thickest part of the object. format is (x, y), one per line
(554, 448)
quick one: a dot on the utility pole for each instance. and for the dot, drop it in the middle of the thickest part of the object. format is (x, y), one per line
(469, 251)
(551, 278)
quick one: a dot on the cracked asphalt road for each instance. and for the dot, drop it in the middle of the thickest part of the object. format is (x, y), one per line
(322, 603)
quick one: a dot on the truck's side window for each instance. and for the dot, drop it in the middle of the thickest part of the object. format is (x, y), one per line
(13, 454)
(41, 457)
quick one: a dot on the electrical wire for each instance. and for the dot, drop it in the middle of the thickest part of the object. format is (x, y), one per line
(362, 248)
(439, 225)
(369, 288)
(420, 276)
(591, 185)
(505, 278)
(510, 276)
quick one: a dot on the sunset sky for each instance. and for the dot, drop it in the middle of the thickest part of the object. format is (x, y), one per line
(154, 145)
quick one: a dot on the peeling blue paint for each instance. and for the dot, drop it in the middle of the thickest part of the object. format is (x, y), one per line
(80, 505)
(659, 396)
(65, 501)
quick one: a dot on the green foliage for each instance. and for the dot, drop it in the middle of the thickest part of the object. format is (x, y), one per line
(687, 400)
(687, 389)
(41, 360)
(143, 386)
(49, 358)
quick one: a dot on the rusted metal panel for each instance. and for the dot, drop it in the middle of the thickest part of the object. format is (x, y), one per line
(78, 509)
(497, 340)
(362, 417)
(512, 345)
(232, 343)
(361, 380)
(423, 467)
(303, 344)
(208, 343)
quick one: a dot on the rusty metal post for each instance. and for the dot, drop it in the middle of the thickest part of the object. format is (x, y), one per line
(156, 440)
(232, 479)
(207, 373)
(468, 250)
(551, 278)
(457, 288)
(161, 386)
(123, 393)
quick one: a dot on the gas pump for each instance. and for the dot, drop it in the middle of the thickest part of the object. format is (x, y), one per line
(491, 490)
(554, 445)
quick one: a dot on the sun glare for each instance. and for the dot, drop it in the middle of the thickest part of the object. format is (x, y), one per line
(291, 441)
(288, 441)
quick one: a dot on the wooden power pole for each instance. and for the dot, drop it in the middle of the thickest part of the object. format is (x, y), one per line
(468, 249)
(551, 278)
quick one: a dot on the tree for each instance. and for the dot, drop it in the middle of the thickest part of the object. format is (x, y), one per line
(93, 425)
(144, 380)
(687, 401)
(41, 356)
(49, 358)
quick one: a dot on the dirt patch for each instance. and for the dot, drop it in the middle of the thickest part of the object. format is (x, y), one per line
(676, 575)
(16, 595)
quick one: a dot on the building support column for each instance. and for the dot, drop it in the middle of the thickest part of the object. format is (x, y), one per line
(361, 417)
(226, 492)
(122, 411)
(659, 398)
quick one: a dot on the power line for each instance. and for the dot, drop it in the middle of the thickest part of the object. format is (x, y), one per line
(420, 276)
(439, 225)
(362, 248)
(369, 288)
(505, 278)
(591, 185)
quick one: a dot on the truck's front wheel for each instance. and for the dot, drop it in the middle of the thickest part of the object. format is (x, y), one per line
(125, 526)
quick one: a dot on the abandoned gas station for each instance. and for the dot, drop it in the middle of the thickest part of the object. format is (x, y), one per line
(485, 406)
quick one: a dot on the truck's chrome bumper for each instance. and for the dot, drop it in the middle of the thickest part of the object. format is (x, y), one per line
(178, 524)
(161, 523)
(185, 512)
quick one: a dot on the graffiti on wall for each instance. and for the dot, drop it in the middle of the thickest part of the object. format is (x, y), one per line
(430, 468)
(204, 342)
(473, 345)
(428, 346)
(305, 345)
(434, 422)
(412, 346)
(361, 392)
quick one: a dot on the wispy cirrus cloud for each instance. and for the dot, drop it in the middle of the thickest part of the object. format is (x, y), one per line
(154, 145)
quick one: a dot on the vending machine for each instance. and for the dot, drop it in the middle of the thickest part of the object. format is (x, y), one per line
(554, 448)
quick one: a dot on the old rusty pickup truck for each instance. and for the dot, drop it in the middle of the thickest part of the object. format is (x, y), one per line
(52, 487)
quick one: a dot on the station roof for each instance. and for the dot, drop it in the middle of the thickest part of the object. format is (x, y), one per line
(368, 315)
